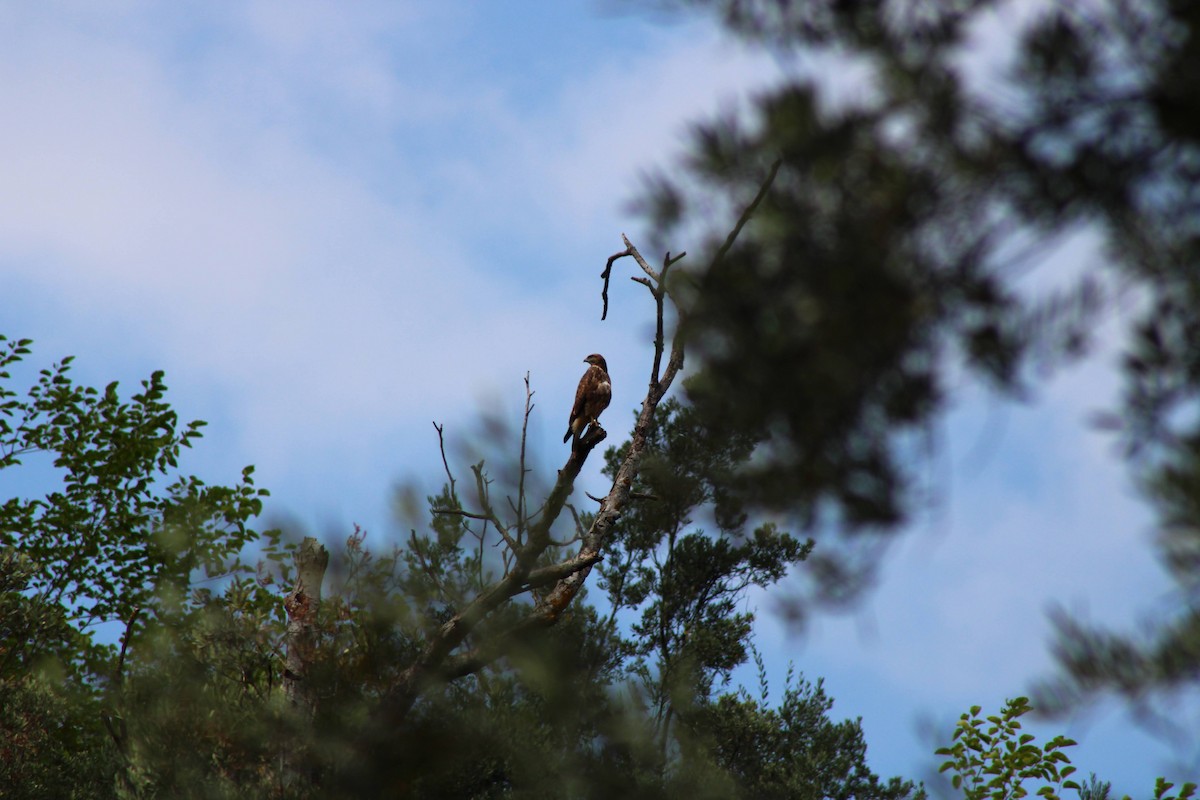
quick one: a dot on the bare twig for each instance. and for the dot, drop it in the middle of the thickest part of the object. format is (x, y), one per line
(632, 496)
(458, 512)
(520, 509)
(606, 275)
(578, 523)
(442, 447)
(120, 674)
(748, 212)
(658, 292)
(641, 262)
(489, 514)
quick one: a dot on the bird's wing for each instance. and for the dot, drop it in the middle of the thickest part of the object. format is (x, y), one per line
(581, 395)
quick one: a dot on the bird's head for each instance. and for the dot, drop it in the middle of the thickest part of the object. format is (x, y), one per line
(597, 360)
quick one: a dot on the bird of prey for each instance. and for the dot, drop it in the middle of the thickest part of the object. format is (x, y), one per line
(591, 398)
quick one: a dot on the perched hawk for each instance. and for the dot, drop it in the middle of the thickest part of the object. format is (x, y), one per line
(591, 398)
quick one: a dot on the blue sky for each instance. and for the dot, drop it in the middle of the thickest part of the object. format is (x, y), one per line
(334, 224)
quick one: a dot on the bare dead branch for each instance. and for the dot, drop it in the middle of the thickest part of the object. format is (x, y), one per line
(592, 436)
(489, 513)
(606, 275)
(658, 290)
(554, 572)
(458, 512)
(520, 509)
(446, 464)
(578, 523)
(633, 251)
(632, 496)
(301, 605)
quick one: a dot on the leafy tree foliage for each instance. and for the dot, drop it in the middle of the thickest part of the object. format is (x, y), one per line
(990, 758)
(684, 584)
(191, 700)
(48, 737)
(793, 750)
(109, 546)
(108, 549)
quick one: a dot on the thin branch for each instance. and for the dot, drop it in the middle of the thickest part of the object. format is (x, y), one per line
(747, 213)
(658, 336)
(521, 519)
(503, 642)
(555, 572)
(489, 517)
(481, 485)
(120, 674)
(442, 447)
(578, 523)
(458, 512)
(633, 251)
(632, 496)
(606, 275)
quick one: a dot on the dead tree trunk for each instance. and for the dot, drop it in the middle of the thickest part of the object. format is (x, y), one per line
(302, 605)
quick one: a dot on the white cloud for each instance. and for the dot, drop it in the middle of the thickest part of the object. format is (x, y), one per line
(192, 191)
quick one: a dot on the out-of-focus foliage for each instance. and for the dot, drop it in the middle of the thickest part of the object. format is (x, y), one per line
(51, 736)
(889, 260)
